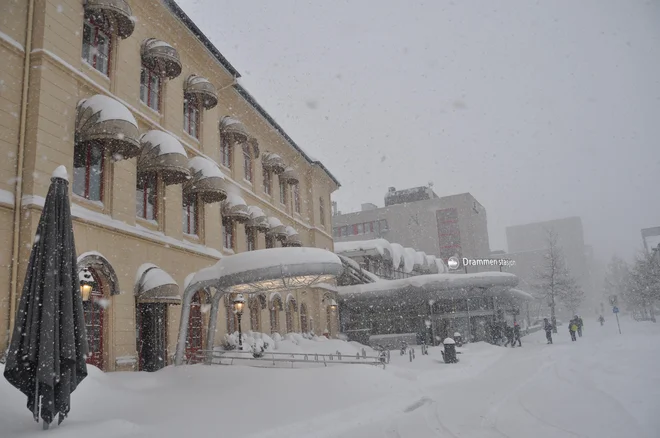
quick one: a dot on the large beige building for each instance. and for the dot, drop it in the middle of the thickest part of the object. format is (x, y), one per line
(172, 166)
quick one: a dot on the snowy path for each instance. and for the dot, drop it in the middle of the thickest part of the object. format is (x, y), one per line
(597, 387)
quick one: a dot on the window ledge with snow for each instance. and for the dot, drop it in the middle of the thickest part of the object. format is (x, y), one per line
(150, 224)
(96, 205)
(94, 71)
(151, 110)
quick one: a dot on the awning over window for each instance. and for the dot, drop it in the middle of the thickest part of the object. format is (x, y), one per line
(432, 267)
(152, 284)
(161, 57)
(276, 228)
(235, 208)
(201, 89)
(105, 121)
(292, 237)
(289, 176)
(164, 154)
(273, 162)
(254, 144)
(116, 12)
(258, 219)
(234, 130)
(207, 181)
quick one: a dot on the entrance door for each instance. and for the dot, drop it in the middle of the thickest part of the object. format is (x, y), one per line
(195, 340)
(152, 342)
(94, 323)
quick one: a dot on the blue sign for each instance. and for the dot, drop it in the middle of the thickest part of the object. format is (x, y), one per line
(615, 309)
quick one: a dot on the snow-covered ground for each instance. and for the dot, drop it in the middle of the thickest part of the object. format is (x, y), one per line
(604, 385)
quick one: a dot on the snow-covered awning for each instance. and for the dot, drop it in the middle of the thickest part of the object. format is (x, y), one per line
(276, 228)
(252, 272)
(117, 13)
(234, 130)
(152, 284)
(442, 268)
(273, 163)
(202, 89)
(269, 270)
(361, 248)
(432, 267)
(447, 285)
(289, 176)
(207, 181)
(254, 144)
(161, 57)
(164, 154)
(292, 237)
(105, 121)
(397, 255)
(258, 219)
(421, 264)
(275, 298)
(235, 208)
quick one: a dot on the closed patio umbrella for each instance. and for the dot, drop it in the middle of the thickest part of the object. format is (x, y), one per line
(46, 359)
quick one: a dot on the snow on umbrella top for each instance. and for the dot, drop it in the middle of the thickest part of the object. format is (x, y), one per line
(46, 359)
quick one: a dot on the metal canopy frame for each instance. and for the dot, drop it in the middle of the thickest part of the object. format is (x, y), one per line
(250, 282)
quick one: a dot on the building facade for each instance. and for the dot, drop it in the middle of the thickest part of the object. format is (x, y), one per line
(446, 226)
(172, 166)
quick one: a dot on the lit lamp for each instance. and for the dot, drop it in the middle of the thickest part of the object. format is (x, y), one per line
(86, 284)
(239, 303)
(333, 305)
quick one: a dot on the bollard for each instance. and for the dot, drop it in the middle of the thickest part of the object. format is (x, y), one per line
(411, 355)
(388, 356)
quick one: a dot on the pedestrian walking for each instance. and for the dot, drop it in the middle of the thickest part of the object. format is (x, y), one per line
(516, 334)
(508, 332)
(601, 319)
(580, 324)
(548, 330)
(572, 328)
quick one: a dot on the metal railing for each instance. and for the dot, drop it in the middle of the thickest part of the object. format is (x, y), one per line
(273, 358)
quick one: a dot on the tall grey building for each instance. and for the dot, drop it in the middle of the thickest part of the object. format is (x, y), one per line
(419, 218)
(528, 246)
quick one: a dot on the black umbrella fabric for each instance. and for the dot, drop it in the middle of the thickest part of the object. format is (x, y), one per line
(46, 358)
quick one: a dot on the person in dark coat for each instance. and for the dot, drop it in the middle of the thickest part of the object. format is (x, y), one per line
(516, 334)
(601, 319)
(508, 332)
(548, 330)
(572, 328)
(579, 324)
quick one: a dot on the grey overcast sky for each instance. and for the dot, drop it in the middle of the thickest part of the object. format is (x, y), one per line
(540, 109)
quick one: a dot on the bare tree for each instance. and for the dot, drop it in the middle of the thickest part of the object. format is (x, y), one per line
(554, 281)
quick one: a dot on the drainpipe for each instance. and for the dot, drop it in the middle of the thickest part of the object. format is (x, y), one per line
(18, 189)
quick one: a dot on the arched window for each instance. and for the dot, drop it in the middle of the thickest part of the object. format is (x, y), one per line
(191, 115)
(290, 311)
(255, 314)
(247, 162)
(275, 308)
(97, 42)
(94, 305)
(190, 215)
(225, 153)
(303, 318)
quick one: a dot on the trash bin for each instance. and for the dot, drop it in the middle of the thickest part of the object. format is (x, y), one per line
(450, 351)
(459, 339)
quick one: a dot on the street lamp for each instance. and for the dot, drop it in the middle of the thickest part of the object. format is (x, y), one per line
(239, 303)
(87, 283)
(333, 305)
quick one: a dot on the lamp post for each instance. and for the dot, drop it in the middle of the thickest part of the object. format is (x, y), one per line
(86, 284)
(239, 303)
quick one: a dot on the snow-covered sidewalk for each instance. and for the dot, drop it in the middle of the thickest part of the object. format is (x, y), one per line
(604, 385)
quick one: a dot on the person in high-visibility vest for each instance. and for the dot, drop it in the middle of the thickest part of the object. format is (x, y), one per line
(572, 328)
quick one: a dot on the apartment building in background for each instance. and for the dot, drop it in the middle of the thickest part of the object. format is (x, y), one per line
(172, 166)
(418, 218)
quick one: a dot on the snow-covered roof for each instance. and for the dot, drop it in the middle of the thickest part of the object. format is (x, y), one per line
(355, 265)
(235, 207)
(269, 268)
(432, 282)
(371, 247)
